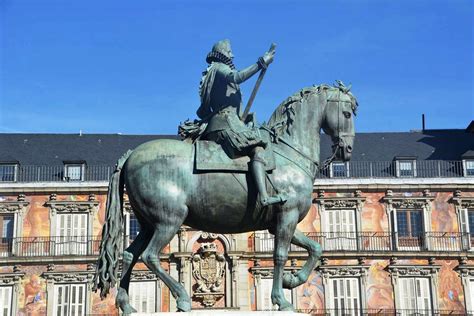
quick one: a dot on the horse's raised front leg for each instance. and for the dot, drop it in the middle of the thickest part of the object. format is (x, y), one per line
(284, 230)
(290, 280)
(130, 257)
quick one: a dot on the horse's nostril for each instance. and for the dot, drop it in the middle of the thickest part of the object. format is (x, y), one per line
(349, 149)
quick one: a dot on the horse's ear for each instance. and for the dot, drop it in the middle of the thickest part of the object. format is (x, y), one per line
(349, 87)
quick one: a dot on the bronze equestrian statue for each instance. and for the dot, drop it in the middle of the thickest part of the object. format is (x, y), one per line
(166, 188)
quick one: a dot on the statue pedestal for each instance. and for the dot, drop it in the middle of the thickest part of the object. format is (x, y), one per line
(223, 313)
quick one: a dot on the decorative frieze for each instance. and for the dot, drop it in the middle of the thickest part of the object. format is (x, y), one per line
(461, 202)
(11, 278)
(68, 276)
(340, 202)
(329, 271)
(408, 202)
(72, 206)
(14, 206)
(143, 275)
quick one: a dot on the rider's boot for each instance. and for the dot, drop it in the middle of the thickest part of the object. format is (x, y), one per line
(257, 167)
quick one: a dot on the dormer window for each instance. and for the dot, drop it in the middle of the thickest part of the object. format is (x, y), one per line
(468, 167)
(8, 172)
(74, 171)
(405, 167)
(339, 169)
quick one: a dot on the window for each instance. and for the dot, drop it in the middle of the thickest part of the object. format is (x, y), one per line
(406, 168)
(74, 172)
(71, 234)
(265, 301)
(134, 227)
(410, 228)
(415, 296)
(344, 296)
(70, 299)
(471, 288)
(6, 233)
(6, 299)
(467, 227)
(469, 168)
(340, 230)
(143, 296)
(339, 170)
(8, 172)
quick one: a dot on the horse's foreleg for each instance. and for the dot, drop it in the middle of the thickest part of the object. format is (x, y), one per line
(314, 249)
(284, 230)
(162, 235)
(130, 257)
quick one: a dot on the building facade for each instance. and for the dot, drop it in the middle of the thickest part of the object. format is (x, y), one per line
(396, 225)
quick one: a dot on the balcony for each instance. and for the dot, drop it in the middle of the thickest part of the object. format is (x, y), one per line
(49, 246)
(384, 312)
(375, 242)
(353, 169)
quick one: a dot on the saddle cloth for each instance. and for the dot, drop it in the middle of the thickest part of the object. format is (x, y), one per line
(209, 156)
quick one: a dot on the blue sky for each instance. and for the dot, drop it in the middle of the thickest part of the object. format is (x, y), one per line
(133, 67)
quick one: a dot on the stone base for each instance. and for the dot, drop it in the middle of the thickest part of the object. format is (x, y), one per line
(223, 313)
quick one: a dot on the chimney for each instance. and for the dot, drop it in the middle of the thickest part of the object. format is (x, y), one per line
(423, 122)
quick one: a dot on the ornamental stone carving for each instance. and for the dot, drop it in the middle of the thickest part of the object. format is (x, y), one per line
(461, 202)
(344, 271)
(340, 202)
(72, 206)
(408, 202)
(397, 271)
(14, 206)
(143, 275)
(208, 269)
(68, 276)
(11, 278)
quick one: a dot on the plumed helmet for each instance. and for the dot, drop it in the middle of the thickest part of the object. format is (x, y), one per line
(221, 52)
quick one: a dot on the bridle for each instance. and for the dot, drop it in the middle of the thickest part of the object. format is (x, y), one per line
(341, 144)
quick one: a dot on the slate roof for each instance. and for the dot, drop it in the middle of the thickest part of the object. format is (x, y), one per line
(105, 149)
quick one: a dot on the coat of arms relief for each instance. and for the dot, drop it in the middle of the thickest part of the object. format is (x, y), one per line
(208, 270)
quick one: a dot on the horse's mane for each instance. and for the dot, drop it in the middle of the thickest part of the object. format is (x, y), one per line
(283, 117)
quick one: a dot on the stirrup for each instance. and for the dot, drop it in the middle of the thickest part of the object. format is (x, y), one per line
(277, 199)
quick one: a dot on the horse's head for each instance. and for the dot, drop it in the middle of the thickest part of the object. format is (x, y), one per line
(338, 120)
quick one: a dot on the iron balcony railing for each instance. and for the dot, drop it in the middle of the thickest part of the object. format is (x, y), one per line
(388, 169)
(49, 246)
(384, 312)
(376, 241)
(351, 169)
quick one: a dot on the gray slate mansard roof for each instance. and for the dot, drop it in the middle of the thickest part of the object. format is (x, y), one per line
(105, 149)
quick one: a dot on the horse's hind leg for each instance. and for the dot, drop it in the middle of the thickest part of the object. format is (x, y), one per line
(162, 235)
(130, 257)
(290, 280)
(284, 230)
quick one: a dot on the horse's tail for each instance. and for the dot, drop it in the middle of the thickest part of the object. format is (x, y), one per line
(110, 246)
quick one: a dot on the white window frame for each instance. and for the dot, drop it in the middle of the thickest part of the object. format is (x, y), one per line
(342, 163)
(430, 272)
(73, 291)
(353, 204)
(350, 292)
(463, 205)
(151, 298)
(344, 236)
(71, 237)
(145, 276)
(465, 163)
(398, 164)
(15, 171)
(12, 282)
(6, 300)
(68, 165)
(67, 278)
(354, 273)
(89, 208)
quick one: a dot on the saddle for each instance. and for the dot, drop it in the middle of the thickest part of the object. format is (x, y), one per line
(211, 157)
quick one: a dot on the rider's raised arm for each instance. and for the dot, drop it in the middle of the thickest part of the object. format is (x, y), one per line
(239, 76)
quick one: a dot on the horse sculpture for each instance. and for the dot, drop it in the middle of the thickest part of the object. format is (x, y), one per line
(165, 192)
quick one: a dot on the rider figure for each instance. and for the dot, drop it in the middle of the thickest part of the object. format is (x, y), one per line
(220, 105)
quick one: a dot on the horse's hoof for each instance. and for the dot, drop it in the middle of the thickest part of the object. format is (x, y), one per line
(183, 305)
(128, 309)
(287, 308)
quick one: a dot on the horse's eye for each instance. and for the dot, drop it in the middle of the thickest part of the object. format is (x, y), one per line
(347, 114)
